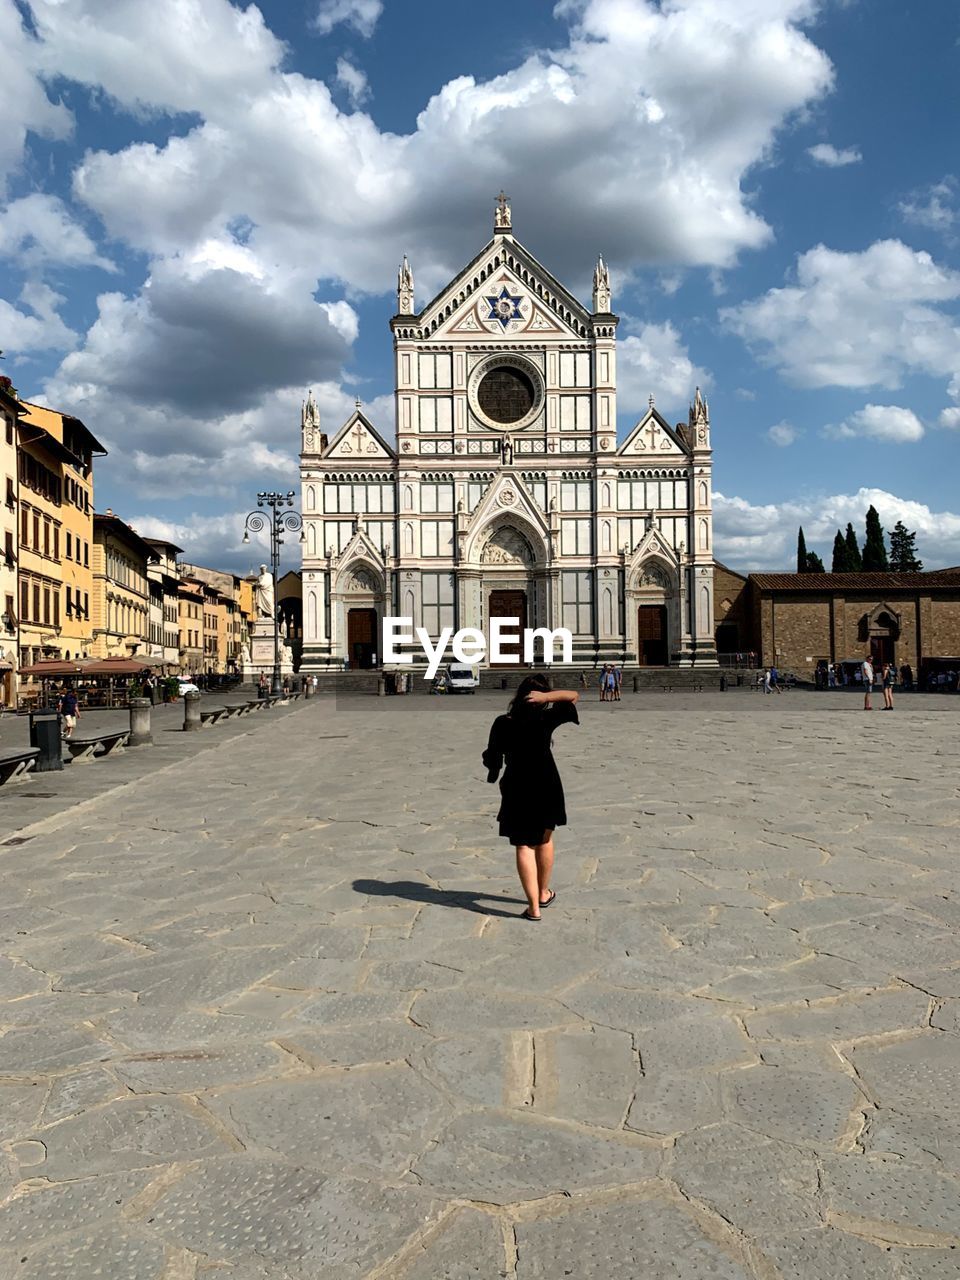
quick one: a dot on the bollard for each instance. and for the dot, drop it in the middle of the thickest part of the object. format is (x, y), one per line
(503, 685)
(309, 690)
(191, 711)
(140, 735)
(723, 684)
(636, 684)
(381, 687)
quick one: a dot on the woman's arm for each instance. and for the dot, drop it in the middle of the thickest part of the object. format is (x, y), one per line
(537, 698)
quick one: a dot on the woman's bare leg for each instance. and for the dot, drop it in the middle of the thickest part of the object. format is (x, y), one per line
(544, 855)
(527, 871)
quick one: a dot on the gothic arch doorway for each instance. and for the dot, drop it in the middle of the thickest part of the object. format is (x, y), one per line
(362, 638)
(652, 635)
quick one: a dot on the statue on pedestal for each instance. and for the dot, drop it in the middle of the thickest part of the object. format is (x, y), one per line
(264, 595)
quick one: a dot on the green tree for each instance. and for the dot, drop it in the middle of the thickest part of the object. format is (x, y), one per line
(814, 563)
(903, 550)
(801, 552)
(841, 555)
(874, 547)
(854, 558)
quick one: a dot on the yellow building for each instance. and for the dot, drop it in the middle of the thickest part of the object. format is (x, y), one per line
(10, 412)
(121, 590)
(190, 594)
(228, 602)
(56, 533)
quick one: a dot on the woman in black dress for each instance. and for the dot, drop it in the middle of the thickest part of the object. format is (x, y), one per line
(532, 794)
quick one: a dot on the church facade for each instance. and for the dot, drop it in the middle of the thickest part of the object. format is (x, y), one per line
(506, 493)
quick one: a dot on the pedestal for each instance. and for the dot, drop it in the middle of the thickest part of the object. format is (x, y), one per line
(258, 659)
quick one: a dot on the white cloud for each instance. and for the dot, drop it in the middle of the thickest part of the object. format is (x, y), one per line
(950, 418)
(826, 154)
(39, 229)
(887, 422)
(745, 393)
(856, 319)
(37, 328)
(754, 537)
(934, 207)
(655, 362)
(353, 80)
(24, 105)
(362, 15)
(783, 434)
(331, 190)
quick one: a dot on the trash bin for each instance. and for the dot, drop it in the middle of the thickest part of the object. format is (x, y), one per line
(45, 734)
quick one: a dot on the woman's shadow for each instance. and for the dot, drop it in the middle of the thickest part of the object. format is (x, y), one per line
(416, 891)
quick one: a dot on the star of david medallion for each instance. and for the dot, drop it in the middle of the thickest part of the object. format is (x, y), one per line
(504, 306)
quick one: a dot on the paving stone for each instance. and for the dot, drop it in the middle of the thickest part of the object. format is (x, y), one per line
(759, 1184)
(891, 1202)
(625, 1010)
(914, 1136)
(76, 1092)
(26, 1218)
(36, 1051)
(310, 1224)
(828, 1254)
(922, 1072)
(20, 1108)
(501, 1159)
(189, 1071)
(691, 1042)
(127, 1134)
(586, 1076)
(927, 1264)
(106, 1251)
(163, 1030)
(18, 979)
(355, 1046)
(673, 1103)
(812, 1110)
(470, 1244)
(651, 1238)
(947, 1017)
(334, 1009)
(411, 975)
(845, 1019)
(379, 1117)
(450, 1012)
(483, 1069)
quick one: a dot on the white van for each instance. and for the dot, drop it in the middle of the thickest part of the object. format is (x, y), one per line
(462, 678)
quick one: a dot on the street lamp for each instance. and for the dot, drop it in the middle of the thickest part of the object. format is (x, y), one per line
(278, 522)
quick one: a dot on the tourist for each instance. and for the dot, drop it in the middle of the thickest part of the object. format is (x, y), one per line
(603, 683)
(617, 682)
(906, 676)
(68, 706)
(775, 680)
(887, 678)
(767, 680)
(866, 677)
(532, 803)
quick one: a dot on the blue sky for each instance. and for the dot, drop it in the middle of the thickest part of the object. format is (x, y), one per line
(204, 206)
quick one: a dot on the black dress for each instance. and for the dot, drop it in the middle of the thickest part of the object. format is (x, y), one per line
(531, 790)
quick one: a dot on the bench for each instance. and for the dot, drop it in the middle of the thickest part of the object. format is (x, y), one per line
(84, 747)
(212, 714)
(237, 709)
(16, 762)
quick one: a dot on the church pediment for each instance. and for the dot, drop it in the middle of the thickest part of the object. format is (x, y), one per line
(358, 440)
(505, 293)
(652, 546)
(360, 549)
(652, 437)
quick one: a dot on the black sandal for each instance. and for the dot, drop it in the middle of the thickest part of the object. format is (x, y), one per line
(525, 915)
(550, 901)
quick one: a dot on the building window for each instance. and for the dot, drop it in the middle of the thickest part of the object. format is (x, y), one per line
(578, 602)
(86, 555)
(24, 601)
(8, 552)
(11, 620)
(56, 607)
(437, 598)
(575, 495)
(575, 537)
(36, 602)
(25, 526)
(436, 497)
(68, 602)
(8, 422)
(436, 538)
(56, 543)
(11, 496)
(36, 532)
(86, 604)
(69, 544)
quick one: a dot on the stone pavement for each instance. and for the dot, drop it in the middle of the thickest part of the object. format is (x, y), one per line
(271, 1015)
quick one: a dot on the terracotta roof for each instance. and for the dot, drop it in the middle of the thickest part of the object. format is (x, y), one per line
(855, 581)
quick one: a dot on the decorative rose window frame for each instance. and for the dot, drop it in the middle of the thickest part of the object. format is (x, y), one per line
(501, 360)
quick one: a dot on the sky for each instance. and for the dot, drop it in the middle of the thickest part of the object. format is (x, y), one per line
(204, 205)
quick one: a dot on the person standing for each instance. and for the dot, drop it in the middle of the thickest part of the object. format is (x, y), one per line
(617, 682)
(866, 676)
(603, 683)
(767, 679)
(775, 680)
(532, 802)
(69, 708)
(887, 679)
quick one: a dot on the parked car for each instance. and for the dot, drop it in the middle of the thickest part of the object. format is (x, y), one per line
(462, 678)
(186, 685)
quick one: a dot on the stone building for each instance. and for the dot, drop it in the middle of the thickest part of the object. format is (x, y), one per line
(163, 576)
(121, 589)
(10, 411)
(799, 619)
(191, 646)
(507, 493)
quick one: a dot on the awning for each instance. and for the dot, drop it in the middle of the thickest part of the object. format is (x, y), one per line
(55, 667)
(113, 667)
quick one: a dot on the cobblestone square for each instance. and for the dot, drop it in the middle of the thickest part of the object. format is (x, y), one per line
(271, 1013)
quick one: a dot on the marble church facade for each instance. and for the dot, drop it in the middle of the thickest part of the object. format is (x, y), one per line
(506, 493)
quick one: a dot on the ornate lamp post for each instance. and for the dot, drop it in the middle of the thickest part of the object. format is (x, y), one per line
(278, 522)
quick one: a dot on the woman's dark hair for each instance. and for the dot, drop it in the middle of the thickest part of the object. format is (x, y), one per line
(528, 684)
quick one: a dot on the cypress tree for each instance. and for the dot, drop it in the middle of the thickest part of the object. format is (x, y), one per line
(841, 559)
(903, 550)
(814, 563)
(854, 559)
(801, 552)
(874, 547)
